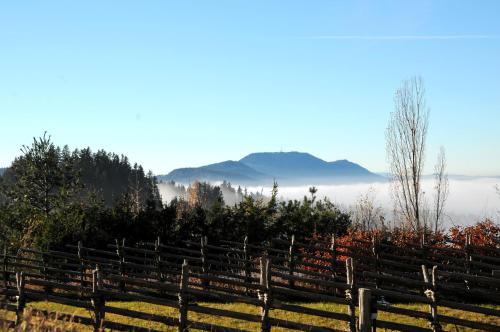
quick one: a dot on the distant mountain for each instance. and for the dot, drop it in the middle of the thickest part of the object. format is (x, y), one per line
(289, 168)
(285, 164)
(2, 170)
(384, 174)
(294, 165)
(232, 171)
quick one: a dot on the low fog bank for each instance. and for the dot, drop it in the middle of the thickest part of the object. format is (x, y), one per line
(169, 192)
(232, 194)
(470, 199)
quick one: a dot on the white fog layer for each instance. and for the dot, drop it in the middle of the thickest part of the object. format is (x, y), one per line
(469, 201)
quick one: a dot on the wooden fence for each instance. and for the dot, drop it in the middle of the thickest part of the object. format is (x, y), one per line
(266, 276)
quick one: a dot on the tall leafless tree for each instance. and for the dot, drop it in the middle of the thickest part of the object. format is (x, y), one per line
(366, 214)
(441, 187)
(497, 187)
(405, 144)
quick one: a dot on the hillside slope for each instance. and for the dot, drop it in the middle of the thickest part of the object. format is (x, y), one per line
(291, 168)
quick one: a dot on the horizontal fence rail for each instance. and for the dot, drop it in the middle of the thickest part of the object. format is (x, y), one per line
(365, 277)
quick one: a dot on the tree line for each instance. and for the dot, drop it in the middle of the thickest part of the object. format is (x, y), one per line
(51, 196)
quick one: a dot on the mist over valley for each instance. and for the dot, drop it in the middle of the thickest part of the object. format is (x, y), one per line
(470, 199)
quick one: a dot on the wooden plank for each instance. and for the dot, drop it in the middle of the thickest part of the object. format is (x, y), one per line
(400, 327)
(469, 308)
(212, 327)
(169, 321)
(309, 295)
(222, 296)
(227, 281)
(310, 311)
(299, 326)
(183, 298)
(311, 281)
(401, 296)
(403, 311)
(140, 298)
(41, 296)
(467, 323)
(365, 310)
(146, 283)
(224, 313)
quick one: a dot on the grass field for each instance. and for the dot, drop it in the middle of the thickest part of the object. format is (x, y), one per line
(162, 310)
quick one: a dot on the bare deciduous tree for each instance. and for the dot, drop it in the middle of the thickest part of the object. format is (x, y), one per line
(405, 144)
(497, 188)
(366, 215)
(441, 187)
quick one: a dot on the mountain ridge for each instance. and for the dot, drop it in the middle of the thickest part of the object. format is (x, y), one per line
(228, 170)
(291, 168)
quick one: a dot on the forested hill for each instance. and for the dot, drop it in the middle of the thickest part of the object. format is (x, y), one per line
(289, 168)
(113, 178)
(2, 170)
(83, 174)
(51, 196)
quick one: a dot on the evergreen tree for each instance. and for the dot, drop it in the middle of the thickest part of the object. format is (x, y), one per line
(42, 183)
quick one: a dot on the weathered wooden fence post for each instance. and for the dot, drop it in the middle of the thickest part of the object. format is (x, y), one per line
(333, 248)
(265, 293)
(45, 271)
(349, 294)
(431, 293)
(436, 326)
(291, 262)
(97, 299)
(82, 267)
(333, 262)
(159, 264)
(375, 252)
(204, 264)
(365, 312)
(21, 298)
(158, 260)
(468, 251)
(246, 264)
(183, 298)
(5, 265)
(424, 248)
(120, 252)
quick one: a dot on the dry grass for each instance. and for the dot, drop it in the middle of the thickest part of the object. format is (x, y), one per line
(36, 322)
(48, 325)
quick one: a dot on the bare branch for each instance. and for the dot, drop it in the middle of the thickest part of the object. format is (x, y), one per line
(441, 187)
(405, 145)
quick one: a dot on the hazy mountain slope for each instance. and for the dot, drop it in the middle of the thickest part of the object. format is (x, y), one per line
(232, 171)
(285, 167)
(347, 168)
(286, 164)
(302, 168)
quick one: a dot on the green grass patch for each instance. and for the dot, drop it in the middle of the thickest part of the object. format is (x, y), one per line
(255, 326)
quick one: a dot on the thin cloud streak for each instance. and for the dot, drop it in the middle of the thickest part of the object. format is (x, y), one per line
(405, 37)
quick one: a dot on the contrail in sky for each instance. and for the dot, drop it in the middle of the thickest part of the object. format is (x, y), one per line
(403, 37)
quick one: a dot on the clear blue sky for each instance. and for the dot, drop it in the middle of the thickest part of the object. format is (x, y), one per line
(187, 83)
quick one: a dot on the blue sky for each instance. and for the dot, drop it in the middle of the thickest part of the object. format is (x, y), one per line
(186, 83)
